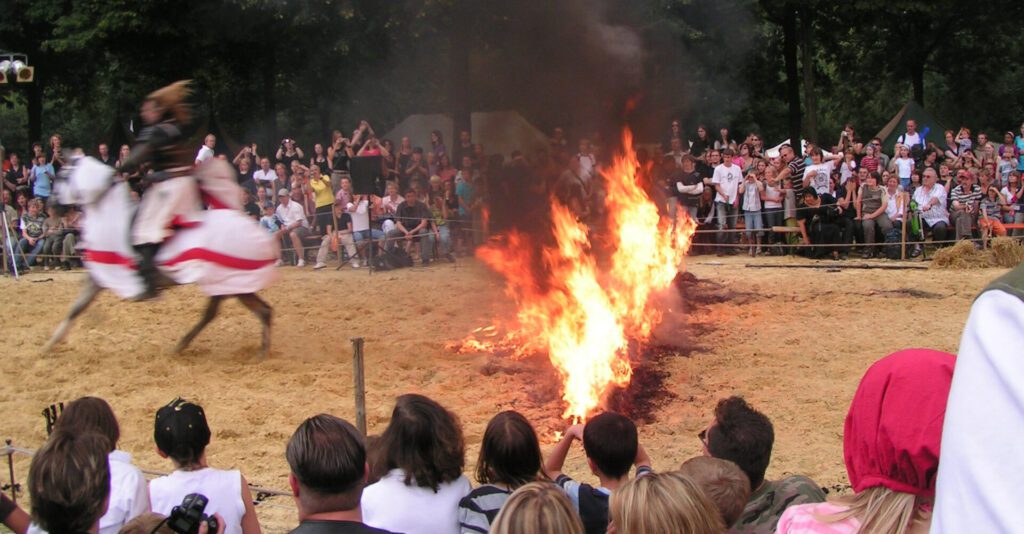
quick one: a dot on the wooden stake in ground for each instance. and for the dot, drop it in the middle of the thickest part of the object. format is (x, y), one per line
(360, 383)
(903, 234)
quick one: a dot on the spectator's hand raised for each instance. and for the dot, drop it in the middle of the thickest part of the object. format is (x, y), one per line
(575, 432)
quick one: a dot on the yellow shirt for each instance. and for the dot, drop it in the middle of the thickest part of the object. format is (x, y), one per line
(322, 191)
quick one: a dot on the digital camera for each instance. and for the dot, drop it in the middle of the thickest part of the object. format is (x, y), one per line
(186, 517)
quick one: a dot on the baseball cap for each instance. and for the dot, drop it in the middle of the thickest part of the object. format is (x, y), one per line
(282, 192)
(181, 430)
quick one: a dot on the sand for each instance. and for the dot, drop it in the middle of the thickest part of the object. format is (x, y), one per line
(794, 342)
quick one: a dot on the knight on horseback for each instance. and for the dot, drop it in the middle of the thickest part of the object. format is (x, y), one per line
(172, 194)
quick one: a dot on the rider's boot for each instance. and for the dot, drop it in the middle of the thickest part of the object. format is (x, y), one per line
(147, 271)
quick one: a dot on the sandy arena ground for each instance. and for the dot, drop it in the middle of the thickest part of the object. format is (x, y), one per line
(794, 342)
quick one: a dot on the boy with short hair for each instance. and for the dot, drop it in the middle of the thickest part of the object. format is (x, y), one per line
(612, 447)
(723, 483)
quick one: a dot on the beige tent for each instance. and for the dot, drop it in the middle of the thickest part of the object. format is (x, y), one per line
(501, 132)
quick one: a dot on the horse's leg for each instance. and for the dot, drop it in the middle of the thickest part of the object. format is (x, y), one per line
(263, 311)
(212, 306)
(88, 295)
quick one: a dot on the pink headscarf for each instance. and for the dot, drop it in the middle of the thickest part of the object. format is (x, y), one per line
(894, 425)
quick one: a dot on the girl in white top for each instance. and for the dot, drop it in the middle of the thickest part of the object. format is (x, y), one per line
(182, 435)
(421, 460)
(903, 164)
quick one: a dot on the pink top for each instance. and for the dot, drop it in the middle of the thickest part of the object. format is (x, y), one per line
(804, 519)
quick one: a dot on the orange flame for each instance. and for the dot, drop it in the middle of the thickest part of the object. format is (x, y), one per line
(583, 317)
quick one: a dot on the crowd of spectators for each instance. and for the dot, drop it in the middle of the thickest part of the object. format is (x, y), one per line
(411, 477)
(441, 201)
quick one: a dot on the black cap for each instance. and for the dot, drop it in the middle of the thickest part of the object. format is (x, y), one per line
(181, 431)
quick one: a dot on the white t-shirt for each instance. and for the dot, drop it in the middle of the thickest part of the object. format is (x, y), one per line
(846, 170)
(204, 154)
(893, 209)
(729, 178)
(909, 139)
(291, 214)
(391, 505)
(129, 496)
(820, 176)
(587, 165)
(773, 191)
(904, 167)
(360, 216)
(938, 212)
(222, 488)
(977, 488)
(267, 176)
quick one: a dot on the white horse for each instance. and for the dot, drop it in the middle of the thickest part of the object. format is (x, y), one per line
(221, 250)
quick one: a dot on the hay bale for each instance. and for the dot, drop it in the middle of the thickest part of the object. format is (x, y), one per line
(1007, 252)
(962, 255)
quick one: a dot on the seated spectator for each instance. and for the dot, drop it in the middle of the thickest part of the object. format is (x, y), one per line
(32, 233)
(611, 445)
(129, 496)
(818, 220)
(53, 238)
(871, 205)
(990, 213)
(537, 508)
(294, 225)
(413, 222)
(69, 483)
(421, 460)
(931, 203)
(389, 204)
(12, 516)
(963, 203)
(249, 206)
(182, 434)
(328, 465)
(663, 502)
(509, 458)
(745, 437)
(341, 238)
(723, 483)
(891, 446)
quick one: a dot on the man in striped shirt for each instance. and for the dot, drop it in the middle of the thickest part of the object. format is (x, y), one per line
(963, 201)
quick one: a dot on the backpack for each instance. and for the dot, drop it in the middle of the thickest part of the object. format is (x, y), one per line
(395, 258)
(893, 244)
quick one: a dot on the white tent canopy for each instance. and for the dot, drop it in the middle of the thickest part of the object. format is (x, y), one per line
(500, 132)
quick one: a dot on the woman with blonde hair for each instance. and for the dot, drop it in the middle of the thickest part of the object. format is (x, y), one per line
(891, 446)
(537, 508)
(663, 502)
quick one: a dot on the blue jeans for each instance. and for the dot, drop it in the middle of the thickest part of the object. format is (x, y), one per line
(445, 247)
(32, 251)
(372, 233)
(726, 214)
(752, 220)
(905, 183)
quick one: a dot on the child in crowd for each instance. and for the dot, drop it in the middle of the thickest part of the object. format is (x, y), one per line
(269, 220)
(128, 494)
(663, 502)
(611, 445)
(69, 482)
(990, 213)
(773, 200)
(32, 232)
(182, 434)
(537, 508)
(752, 190)
(723, 483)
(903, 164)
(52, 237)
(420, 457)
(509, 458)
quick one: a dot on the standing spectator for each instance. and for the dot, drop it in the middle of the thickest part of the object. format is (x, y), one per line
(847, 166)
(206, 151)
(663, 502)
(463, 148)
(818, 173)
(327, 458)
(724, 141)
(611, 445)
(32, 232)
(16, 177)
(103, 154)
(182, 434)
(389, 162)
(509, 458)
(676, 151)
(415, 171)
(689, 186)
(288, 152)
(891, 446)
(931, 203)
(437, 145)
(69, 483)
(266, 177)
(1018, 142)
(911, 138)
(42, 177)
(752, 191)
(984, 151)
(903, 165)
(588, 161)
(52, 237)
(726, 180)
(245, 173)
(323, 199)
(56, 152)
(441, 237)
(470, 202)
(774, 197)
(294, 225)
(413, 222)
(745, 437)
(319, 157)
(421, 460)
(361, 212)
(339, 155)
(129, 496)
(247, 153)
(722, 482)
(964, 200)
(791, 167)
(1006, 164)
(701, 143)
(537, 508)
(558, 143)
(872, 202)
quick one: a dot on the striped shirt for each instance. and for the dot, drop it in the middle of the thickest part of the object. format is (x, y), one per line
(965, 198)
(478, 509)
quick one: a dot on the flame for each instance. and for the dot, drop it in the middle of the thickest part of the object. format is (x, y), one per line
(581, 316)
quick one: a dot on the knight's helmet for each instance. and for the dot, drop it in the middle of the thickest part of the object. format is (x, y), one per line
(173, 100)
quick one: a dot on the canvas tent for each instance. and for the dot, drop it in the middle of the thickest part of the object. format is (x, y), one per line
(500, 132)
(927, 125)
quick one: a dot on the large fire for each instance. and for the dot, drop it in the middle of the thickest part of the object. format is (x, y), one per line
(583, 317)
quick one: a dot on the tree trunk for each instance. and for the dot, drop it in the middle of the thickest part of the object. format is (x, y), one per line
(789, 39)
(810, 98)
(460, 105)
(35, 112)
(270, 108)
(917, 78)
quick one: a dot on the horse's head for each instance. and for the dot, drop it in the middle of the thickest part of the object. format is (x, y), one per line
(83, 181)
